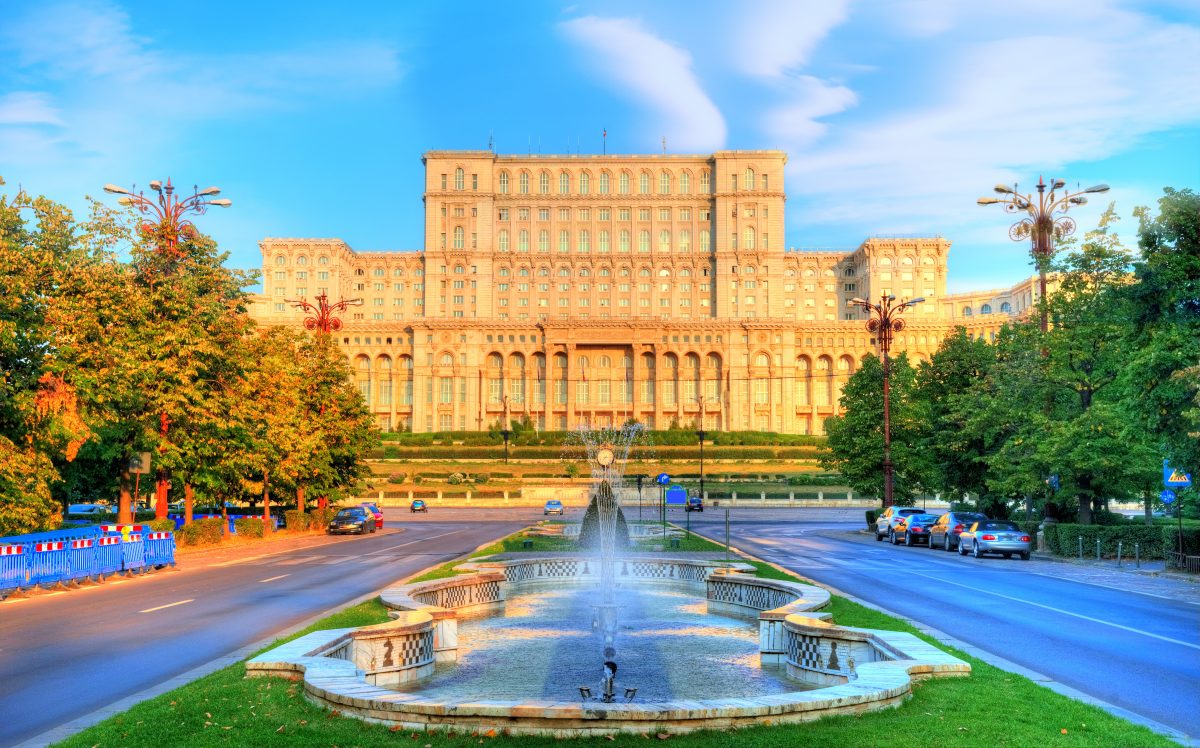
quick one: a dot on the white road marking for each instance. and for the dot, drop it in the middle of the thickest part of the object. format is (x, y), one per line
(168, 605)
(272, 579)
(298, 560)
(1058, 610)
(391, 548)
(338, 560)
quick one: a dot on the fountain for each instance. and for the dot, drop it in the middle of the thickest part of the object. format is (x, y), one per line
(705, 643)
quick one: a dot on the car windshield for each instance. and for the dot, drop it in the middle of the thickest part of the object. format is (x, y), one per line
(349, 514)
(908, 512)
(968, 518)
(924, 518)
(999, 526)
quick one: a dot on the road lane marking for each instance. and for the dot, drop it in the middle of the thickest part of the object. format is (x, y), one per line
(1059, 610)
(272, 579)
(391, 548)
(168, 605)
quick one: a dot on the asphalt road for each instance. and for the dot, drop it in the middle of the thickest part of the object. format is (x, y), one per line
(1138, 651)
(65, 655)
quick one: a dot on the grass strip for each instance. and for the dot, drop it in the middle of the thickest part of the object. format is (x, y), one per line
(990, 708)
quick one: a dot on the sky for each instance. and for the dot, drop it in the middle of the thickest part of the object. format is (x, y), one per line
(896, 114)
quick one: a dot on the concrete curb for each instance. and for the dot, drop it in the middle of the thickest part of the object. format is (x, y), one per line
(67, 729)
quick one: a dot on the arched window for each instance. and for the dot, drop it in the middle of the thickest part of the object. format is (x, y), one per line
(447, 359)
(584, 273)
(585, 183)
(644, 183)
(504, 183)
(749, 178)
(522, 240)
(664, 273)
(523, 183)
(850, 272)
(280, 260)
(322, 260)
(604, 273)
(643, 241)
(685, 240)
(564, 183)
(623, 246)
(564, 272)
(803, 381)
(705, 181)
(459, 270)
(604, 180)
(685, 182)
(379, 272)
(543, 241)
(544, 183)
(748, 238)
(966, 311)
(458, 237)
(762, 360)
(502, 240)
(748, 270)
(985, 309)
(664, 241)
(458, 178)
(625, 272)
(604, 241)
(504, 273)
(564, 241)
(585, 244)
(302, 260)
(623, 183)
(398, 272)
(644, 273)
(604, 362)
(664, 183)
(1006, 307)
(523, 272)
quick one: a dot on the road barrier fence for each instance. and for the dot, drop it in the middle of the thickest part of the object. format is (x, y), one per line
(49, 559)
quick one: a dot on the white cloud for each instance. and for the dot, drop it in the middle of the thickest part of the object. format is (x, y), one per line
(795, 122)
(780, 35)
(28, 108)
(656, 73)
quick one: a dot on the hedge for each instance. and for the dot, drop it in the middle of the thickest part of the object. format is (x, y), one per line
(162, 525)
(296, 520)
(207, 531)
(872, 515)
(318, 519)
(248, 527)
(522, 437)
(1152, 539)
(573, 452)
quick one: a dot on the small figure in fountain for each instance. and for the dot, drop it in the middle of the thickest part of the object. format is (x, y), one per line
(606, 681)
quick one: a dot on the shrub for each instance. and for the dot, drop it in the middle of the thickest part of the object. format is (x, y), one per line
(391, 453)
(202, 532)
(248, 527)
(872, 515)
(397, 477)
(455, 479)
(1150, 538)
(1191, 539)
(162, 525)
(318, 519)
(418, 478)
(481, 478)
(296, 520)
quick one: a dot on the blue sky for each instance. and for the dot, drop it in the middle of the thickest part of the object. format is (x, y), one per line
(896, 114)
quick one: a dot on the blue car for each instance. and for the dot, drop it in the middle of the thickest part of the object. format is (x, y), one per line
(553, 506)
(418, 505)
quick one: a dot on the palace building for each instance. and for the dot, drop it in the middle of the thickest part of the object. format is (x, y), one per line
(594, 289)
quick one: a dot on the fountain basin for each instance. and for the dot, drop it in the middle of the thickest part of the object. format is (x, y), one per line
(846, 670)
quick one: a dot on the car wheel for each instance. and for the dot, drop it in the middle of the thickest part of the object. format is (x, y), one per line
(877, 535)
(1025, 556)
(891, 536)
(962, 549)
(946, 543)
(1008, 555)
(975, 550)
(907, 540)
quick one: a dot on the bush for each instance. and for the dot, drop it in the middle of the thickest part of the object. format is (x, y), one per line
(872, 515)
(481, 478)
(248, 527)
(296, 520)
(202, 532)
(318, 519)
(455, 479)
(397, 477)
(1191, 539)
(162, 525)
(1151, 539)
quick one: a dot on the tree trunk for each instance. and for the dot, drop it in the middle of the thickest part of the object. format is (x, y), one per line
(1148, 505)
(124, 504)
(322, 502)
(266, 505)
(1085, 500)
(160, 495)
(300, 502)
(189, 499)
(224, 518)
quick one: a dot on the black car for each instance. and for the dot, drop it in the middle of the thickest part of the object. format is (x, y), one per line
(354, 519)
(694, 504)
(915, 528)
(944, 533)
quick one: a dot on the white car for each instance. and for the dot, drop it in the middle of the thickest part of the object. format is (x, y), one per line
(95, 510)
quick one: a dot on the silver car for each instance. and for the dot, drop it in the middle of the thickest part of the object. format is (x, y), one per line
(885, 523)
(994, 536)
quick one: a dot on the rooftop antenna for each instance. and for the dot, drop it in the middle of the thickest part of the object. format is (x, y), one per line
(664, 141)
(604, 135)
(491, 142)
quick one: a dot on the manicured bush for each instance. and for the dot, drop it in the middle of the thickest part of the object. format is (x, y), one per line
(1191, 539)
(1029, 527)
(201, 532)
(481, 478)
(248, 527)
(296, 520)
(455, 479)
(162, 525)
(318, 519)
(872, 515)
(1150, 538)
(397, 477)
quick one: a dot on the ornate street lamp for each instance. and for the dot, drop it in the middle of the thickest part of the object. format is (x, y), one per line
(322, 312)
(165, 223)
(701, 434)
(505, 428)
(1041, 227)
(885, 321)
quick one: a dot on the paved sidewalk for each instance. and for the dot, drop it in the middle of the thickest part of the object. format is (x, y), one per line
(1153, 578)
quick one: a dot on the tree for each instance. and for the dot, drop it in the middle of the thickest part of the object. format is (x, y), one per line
(856, 436)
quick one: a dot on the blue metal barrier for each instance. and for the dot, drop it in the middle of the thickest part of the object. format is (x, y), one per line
(83, 559)
(14, 566)
(108, 554)
(133, 551)
(51, 562)
(160, 549)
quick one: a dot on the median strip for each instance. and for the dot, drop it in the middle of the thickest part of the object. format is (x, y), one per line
(168, 605)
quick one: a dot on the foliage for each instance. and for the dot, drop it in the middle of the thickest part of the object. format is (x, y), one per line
(162, 525)
(249, 527)
(207, 531)
(872, 515)
(296, 520)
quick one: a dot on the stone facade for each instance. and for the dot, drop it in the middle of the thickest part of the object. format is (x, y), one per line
(593, 289)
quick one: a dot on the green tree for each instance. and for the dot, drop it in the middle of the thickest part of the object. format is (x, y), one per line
(856, 436)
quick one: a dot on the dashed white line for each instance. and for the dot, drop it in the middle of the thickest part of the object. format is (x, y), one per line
(168, 605)
(272, 579)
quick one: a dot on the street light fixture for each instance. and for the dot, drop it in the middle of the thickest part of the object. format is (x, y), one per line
(701, 434)
(165, 224)
(322, 312)
(883, 323)
(506, 430)
(1041, 226)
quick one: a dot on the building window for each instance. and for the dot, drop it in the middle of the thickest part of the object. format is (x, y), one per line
(585, 186)
(543, 241)
(584, 241)
(664, 183)
(523, 240)
(458, 237)
(564, 183)
(564, 241)
(623, 184)
(685, 183)
(502, 240)
(523, 183)
(664, 241)
(623, 246)
(705, 182)
(544, 183)
(644, 183)
(459, 178)
(705, 241)
(504, 182)
(748, 238)
(604, 183)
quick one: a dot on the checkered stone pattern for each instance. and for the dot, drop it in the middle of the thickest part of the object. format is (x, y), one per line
(748, 595)
(415, 649)
(661, 570)
(557, 568)
(461, 596)
(806, 651)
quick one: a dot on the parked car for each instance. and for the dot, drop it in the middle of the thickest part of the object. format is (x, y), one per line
(944, 533)
(914, 528)
(418, 505)
(885, 522)
(553, 506)
(994, 536)
(93, 510)
(353, 519)
(375, 511)
(694, 504)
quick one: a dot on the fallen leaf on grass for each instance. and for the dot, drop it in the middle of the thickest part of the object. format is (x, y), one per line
(1063, 731)
(281, 728)
(663, 736)
(395, 728)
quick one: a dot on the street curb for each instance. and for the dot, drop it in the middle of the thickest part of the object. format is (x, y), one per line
(67, 729)
(998, 661)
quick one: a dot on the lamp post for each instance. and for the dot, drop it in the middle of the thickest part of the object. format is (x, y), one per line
(165, 225)
(322, 319)
(885, 321)
(505, 431)
(1040, 226)
(701, 434)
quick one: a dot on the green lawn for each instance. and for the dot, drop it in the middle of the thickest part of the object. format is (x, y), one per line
(990, 708)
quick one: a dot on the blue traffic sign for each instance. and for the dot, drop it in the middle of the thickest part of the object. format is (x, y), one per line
(1054, 483)
(1174, 478)
(662, 479)
(1167, 496)
(677, 495)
